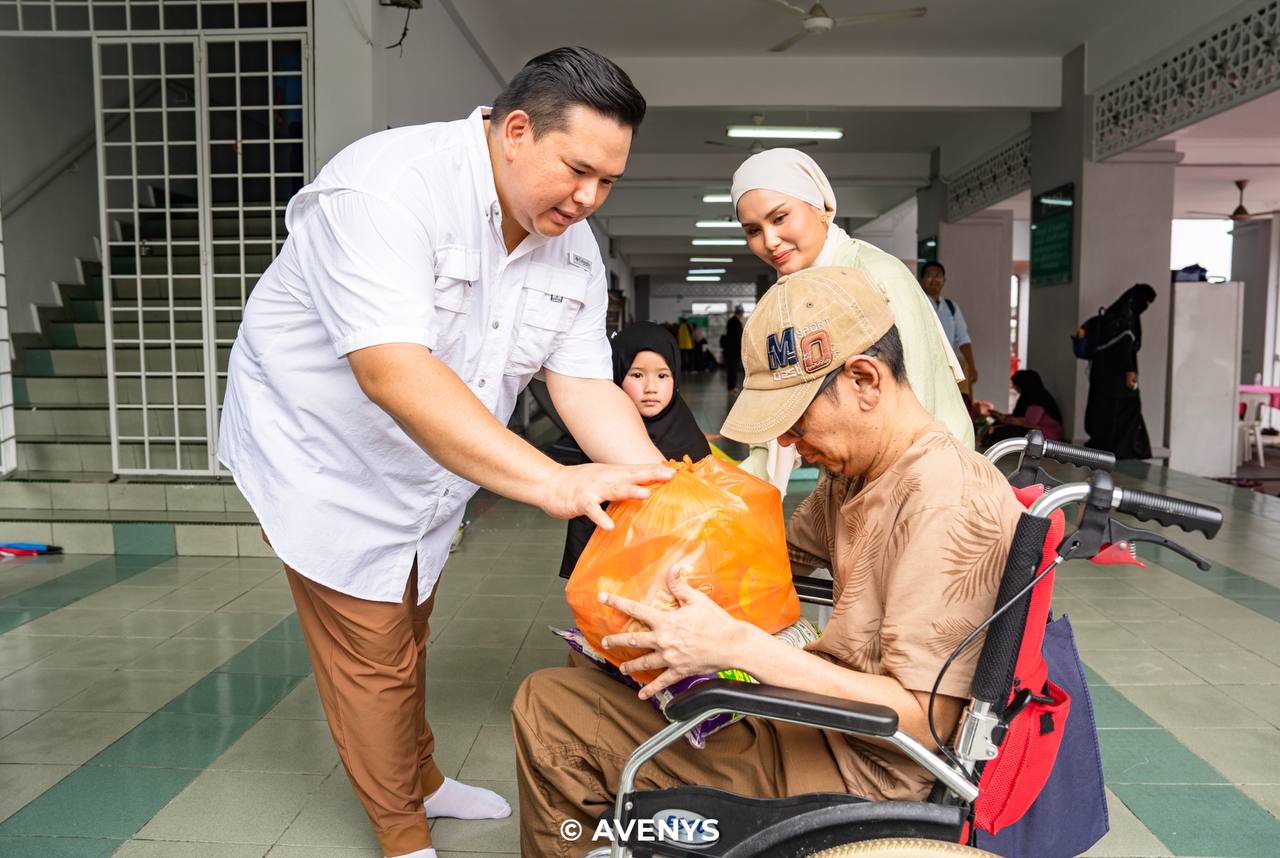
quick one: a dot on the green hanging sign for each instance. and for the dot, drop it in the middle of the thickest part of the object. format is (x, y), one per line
(1052, 235)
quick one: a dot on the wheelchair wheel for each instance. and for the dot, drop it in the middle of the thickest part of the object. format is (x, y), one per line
(902, 847)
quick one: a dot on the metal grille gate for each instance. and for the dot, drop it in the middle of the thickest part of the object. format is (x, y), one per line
(201, 143)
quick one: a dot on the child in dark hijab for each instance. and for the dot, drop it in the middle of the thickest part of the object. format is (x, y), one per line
(646, 365)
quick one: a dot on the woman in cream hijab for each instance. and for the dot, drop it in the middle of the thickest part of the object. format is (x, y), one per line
(787, 209)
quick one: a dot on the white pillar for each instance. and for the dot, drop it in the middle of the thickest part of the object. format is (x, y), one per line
(342, 57)
(1255, 258)
(978, 254)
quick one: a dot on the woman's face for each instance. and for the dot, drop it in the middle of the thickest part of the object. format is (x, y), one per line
(649, 383)
(785, 233)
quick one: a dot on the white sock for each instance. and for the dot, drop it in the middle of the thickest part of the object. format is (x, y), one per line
(461, 801)
(420, 853)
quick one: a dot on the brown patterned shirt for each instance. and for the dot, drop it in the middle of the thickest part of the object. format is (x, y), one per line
(916, 556)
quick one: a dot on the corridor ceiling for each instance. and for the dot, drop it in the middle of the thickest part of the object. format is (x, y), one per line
(962, 80)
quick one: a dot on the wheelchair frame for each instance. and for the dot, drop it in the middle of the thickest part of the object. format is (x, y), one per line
(811, 823)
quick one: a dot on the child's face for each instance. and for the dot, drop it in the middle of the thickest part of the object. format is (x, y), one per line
(649, 383)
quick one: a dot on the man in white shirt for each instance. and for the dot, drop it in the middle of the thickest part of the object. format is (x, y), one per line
(933, 278)
(429, 273)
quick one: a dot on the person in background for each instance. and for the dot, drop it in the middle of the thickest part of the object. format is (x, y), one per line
(1035, 409)
(646, 365)
(684, 339)
(733, 350)
(933, 278)
(1113, 414)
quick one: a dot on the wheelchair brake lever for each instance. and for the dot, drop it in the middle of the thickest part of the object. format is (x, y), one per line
(1118, 532)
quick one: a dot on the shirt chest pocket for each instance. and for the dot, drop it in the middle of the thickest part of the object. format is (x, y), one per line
(549, 303)
(456, 269)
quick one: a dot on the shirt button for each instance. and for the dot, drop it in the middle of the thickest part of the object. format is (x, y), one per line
(446, 493)
(495, 326)
(482, 382)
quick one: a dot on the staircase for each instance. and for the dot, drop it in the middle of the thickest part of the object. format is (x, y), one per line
(64, 491)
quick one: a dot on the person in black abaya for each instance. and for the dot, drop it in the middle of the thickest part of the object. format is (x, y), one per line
(1113, 415)
(646, 364)
(1035, 409)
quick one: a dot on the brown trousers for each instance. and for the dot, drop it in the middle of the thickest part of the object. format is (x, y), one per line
(575, 727)
(370, 663)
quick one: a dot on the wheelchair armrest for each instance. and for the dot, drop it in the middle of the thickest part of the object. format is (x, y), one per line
(815, 590)
(784, 704)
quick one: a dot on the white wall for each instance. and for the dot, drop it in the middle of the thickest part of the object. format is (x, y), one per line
(343, 59)
(8, 446)
(439, 76)
(58, 225)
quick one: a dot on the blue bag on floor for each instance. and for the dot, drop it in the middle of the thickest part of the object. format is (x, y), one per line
(1070, 814)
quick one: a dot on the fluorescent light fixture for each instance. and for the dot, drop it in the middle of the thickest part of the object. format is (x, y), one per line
(783, 132)
(1055, 201)
(720, 259)
(701, 278)
(706, 270)
(718, 224)
(719, 242)
(717, 198)
(931, 243)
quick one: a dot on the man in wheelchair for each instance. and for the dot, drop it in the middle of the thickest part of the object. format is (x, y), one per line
(914, 528)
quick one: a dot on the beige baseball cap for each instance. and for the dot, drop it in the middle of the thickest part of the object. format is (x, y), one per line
(805, 327)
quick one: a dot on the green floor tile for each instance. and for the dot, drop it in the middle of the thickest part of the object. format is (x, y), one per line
(1111, 709)
(289, 629)
(271, 657)
(99, 802)
(1152, 757)
(175, 740)
(146, 539)
(1203, 820)
(27, 605)
(234, 694)
(57, 847)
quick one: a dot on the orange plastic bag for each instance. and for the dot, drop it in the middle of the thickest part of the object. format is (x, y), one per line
(720, 526)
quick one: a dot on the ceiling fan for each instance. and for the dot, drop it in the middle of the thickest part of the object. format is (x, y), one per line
(1240, 214)
(817, 21)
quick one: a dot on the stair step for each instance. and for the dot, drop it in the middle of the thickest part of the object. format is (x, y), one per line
(93, 453)
(86, 391)
(62, 363)
(63, 423)
(96, 513)
(88, 335)
(92, 490)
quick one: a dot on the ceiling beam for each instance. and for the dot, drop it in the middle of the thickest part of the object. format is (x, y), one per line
(898, 83)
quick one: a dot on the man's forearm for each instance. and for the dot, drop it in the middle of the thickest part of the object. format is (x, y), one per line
(775, 662)
(413, 386)
(603, 420)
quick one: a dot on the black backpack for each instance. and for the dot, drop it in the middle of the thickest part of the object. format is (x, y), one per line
(1088, 341)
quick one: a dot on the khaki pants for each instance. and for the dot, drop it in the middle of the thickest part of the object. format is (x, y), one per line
(370, 663)
(575, 727)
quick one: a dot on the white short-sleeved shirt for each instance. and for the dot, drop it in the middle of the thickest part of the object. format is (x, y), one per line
(398, 240)
(953, 324)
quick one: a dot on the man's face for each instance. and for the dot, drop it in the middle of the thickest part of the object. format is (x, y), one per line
(560, 178)
(840, 429)
(932, 280)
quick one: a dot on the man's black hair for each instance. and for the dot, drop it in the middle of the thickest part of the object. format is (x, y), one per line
(551, 84)
(887, 350)
(933, 263)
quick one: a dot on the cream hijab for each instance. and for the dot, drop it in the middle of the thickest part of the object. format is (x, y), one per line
(792, 172)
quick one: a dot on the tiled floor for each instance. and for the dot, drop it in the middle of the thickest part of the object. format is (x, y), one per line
(154, 707)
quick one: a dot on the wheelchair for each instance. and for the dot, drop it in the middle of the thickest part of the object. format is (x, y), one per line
(840, 825)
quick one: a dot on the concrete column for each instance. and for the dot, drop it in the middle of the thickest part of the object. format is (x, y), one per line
(343, 58)
(978, 255)
(1255, 258)
(640, 310)
(1123, 208)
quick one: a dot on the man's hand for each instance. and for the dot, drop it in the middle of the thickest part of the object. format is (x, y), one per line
(584, 489)
(698, 637)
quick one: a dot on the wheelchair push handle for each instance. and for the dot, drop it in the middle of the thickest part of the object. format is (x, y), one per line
(1083, 457)
(1171, 512)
